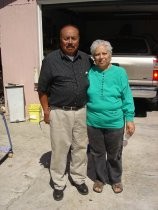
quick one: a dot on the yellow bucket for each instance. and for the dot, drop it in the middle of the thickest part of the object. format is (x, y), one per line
(35, 111)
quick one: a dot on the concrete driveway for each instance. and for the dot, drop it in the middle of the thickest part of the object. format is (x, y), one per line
(25, 179)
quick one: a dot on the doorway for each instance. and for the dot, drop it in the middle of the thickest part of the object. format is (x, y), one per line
(1, 82)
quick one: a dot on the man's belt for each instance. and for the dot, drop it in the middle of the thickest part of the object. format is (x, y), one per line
(67, 108)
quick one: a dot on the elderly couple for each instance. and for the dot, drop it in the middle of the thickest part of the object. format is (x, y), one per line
(80, 96)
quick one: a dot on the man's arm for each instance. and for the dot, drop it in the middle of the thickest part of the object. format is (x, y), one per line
(44, 103)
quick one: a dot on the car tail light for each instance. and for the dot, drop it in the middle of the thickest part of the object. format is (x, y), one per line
(155, 75)
(155, 70)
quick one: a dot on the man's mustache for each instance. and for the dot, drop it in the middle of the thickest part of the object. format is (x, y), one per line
(70, 45)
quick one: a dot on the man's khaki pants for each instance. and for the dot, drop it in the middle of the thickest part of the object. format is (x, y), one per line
(68, 131)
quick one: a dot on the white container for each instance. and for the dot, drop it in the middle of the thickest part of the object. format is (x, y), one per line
(125, 139)
(15, 100)
(126, 136)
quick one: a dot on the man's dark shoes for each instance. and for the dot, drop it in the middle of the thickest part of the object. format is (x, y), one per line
(58, 194)
(82, 188)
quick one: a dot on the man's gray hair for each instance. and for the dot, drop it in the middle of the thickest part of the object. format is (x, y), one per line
(100, 42)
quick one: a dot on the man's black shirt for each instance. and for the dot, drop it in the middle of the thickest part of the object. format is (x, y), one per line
(65, 81)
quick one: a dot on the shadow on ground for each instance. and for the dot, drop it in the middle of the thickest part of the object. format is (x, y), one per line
(46, 159)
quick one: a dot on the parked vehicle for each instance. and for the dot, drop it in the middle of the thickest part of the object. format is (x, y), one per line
(141, 63)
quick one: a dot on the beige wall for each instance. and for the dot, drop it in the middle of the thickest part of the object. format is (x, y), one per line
(19, 45)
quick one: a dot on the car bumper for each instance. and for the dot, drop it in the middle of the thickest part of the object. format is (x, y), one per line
(144, 92)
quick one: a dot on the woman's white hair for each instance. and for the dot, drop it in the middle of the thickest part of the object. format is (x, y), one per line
(99, 42)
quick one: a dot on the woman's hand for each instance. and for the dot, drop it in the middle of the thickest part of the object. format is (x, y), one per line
(130, 128)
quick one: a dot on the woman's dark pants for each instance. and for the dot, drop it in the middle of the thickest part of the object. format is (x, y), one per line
(106, 150)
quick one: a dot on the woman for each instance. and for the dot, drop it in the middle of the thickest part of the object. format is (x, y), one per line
(110, 110)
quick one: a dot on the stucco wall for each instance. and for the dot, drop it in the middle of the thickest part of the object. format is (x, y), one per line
(19, 45)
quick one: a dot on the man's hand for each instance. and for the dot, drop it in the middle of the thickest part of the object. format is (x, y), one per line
(46, 116)
(44, 102)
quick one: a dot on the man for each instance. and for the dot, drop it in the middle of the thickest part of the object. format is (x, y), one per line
(62, 91)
